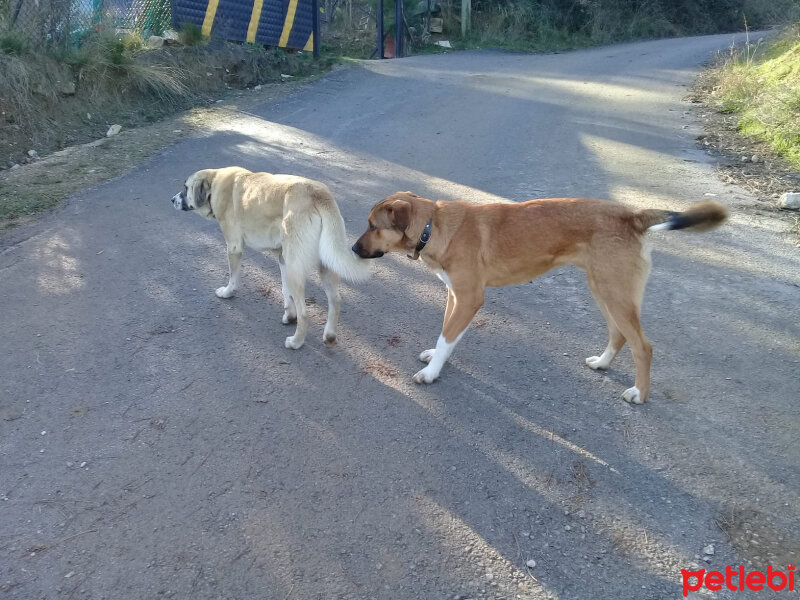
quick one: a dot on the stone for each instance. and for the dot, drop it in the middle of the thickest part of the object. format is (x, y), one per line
(530, 563)
(33, 154)
(10, 414)
(790, 201)
(113, 130)
(709, 550)
(155, 41)
(66, 88)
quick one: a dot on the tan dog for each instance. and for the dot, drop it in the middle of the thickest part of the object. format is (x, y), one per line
(295, 218)
(471, 247)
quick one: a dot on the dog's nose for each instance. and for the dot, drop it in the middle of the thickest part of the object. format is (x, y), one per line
(357, 248)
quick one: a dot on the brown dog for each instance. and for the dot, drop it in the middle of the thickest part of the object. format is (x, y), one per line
(471, 247)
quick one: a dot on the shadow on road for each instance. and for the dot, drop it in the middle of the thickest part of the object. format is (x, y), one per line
(220, 464)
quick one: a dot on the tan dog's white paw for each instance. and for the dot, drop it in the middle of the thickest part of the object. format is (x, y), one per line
(596, 362)
(632, 395)
(292, 343)
(224, 292)
(288, 318)
(426, 356)
(425, 376)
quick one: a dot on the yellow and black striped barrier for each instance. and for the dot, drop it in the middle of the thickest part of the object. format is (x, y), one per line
(283, 23)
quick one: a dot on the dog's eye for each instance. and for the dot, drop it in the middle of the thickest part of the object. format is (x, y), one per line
(372, 227)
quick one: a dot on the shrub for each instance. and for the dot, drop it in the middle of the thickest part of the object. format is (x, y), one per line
(190, 34)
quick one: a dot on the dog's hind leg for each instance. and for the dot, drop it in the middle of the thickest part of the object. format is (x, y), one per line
(620, 288)
(300, 250)
(627, 318)
(465, 305)
(330, 283)
(296, 283)
(615, 338)
(234, 264)
(289, 310)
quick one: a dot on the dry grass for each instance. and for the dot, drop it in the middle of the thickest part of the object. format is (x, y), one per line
(760, 84)
(104, 72)
(51, 99)
(108, 67)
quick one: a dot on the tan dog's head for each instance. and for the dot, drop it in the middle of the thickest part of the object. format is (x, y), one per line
(388, 221)
(196, 194)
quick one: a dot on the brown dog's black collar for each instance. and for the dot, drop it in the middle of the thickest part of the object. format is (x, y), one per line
(423, 239)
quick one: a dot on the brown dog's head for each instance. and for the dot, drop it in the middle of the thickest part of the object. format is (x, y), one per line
(196, 193)
(388, 221)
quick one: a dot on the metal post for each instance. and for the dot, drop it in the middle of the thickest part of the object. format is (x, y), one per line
(398, 28)
(428, 19)
(315, 27)
(466, 17)
(379, 18)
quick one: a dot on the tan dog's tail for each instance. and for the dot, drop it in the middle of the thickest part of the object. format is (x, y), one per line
(703, 216)
(334, 251)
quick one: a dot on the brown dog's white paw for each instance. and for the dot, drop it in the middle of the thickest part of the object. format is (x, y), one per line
(425, 376)
(329, 339)
(633, 396)
(426, 356)
(596, 363)
(287, 318)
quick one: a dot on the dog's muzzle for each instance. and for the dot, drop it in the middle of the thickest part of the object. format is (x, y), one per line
(179, 202)
(361, 251)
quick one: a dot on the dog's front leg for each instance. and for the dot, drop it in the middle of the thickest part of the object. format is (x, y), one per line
(462, 306)
(426, 355)
(234, 264)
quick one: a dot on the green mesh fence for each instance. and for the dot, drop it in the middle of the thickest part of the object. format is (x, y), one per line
(67, 22)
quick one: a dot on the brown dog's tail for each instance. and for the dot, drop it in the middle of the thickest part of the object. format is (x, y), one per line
(702, 216)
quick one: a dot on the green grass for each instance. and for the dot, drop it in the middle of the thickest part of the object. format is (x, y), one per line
(542, 25)
(761, 85)
(12, 43)
(190, 35)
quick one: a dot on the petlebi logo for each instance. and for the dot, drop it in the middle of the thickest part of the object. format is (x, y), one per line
(739, 579)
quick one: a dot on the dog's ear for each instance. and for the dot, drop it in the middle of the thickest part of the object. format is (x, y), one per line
(399, 213)
(202, 191)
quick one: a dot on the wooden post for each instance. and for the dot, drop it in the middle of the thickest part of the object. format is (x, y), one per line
(466, 17)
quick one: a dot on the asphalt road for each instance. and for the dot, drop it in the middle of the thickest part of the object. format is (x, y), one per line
(157, 441)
